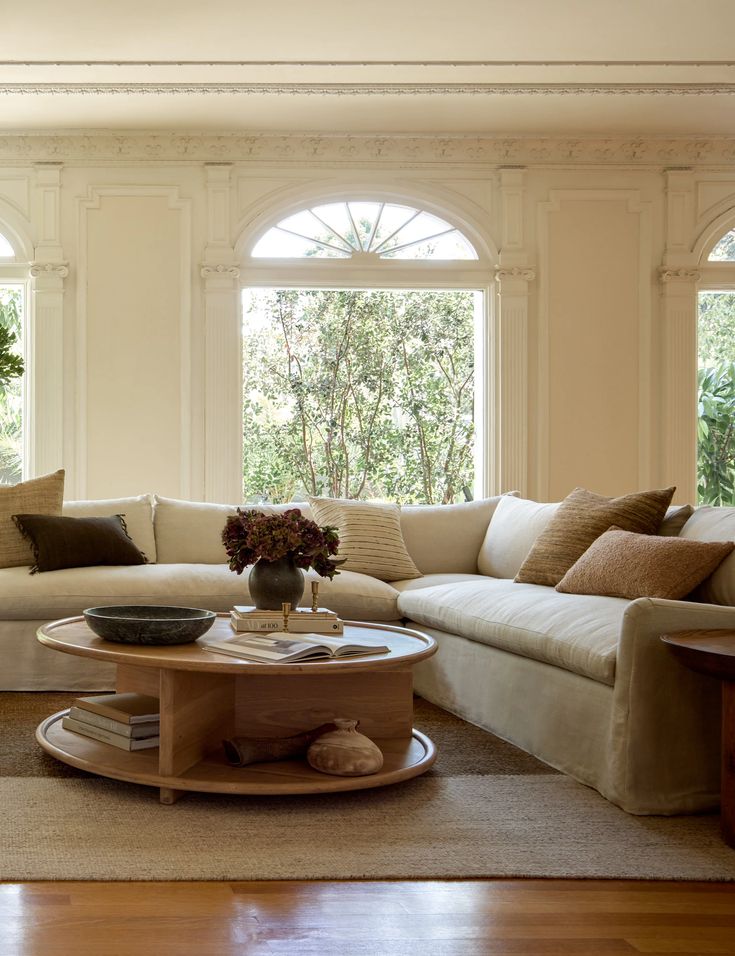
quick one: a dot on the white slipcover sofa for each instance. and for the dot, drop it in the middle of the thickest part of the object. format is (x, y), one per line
(583, 682)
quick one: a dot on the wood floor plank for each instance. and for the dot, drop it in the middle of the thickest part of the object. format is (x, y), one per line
(420, 918)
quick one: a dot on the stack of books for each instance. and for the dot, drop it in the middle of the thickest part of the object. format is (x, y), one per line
(244, 617)
(127, 721)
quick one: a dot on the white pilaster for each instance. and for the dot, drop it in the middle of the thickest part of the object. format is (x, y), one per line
(223, 346)
(45, 436)
(512, 374)
(679, 308)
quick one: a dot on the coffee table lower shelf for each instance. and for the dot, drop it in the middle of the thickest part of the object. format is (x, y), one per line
(403, 759)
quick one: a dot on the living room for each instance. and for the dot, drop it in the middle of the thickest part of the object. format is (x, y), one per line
(581, 157)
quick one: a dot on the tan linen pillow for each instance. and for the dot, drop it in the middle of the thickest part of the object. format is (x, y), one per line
(623, 564)
(370, 536)
(40, 496)
(580, 518)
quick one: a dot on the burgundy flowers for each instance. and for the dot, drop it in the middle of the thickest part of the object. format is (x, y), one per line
(250, 535)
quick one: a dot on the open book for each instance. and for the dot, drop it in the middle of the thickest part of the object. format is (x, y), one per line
(283, 648)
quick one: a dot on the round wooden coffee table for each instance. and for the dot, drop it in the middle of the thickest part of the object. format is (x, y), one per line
(206, 697)
(713, 653)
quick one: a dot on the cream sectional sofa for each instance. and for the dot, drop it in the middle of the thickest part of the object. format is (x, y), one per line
(583, 682)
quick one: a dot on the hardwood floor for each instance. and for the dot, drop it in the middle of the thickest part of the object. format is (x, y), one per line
(462, 918)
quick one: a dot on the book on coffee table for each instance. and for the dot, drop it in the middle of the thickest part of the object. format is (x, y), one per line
(107, 736)
(301, 620)
(283, 648)
(128, 708)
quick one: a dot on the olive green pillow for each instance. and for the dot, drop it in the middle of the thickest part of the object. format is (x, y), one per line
(60, 542)
(581, 518)
(623, 564)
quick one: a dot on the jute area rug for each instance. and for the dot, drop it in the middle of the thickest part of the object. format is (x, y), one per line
(485, 810)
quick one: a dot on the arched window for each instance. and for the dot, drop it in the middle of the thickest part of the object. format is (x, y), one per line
(716, 375)
(345, 230)
(724, 250)
(365, 326)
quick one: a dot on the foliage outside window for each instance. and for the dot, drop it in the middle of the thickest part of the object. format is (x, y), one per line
(358, 394)
(11, 387)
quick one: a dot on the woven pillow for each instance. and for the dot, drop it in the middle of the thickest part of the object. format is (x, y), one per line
(369, 535)
(582, 517)
(60, 542)
(623, 564)
(43, 495)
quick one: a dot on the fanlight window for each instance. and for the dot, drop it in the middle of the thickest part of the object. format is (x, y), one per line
(6, 250)
(343, 230)
(724, 251)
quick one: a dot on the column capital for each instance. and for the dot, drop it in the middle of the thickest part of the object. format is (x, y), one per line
(666, 275)
(220, 271)
(50, 270)
(514, 274)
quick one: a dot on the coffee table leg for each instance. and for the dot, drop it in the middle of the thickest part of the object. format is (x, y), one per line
(727, 787)
(197, 711)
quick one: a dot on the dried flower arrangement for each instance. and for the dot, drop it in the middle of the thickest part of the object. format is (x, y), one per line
(252, 535)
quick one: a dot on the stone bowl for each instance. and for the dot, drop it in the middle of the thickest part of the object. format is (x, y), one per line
(149, 624)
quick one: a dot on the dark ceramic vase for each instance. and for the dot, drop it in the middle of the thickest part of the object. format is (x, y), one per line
(272, 583)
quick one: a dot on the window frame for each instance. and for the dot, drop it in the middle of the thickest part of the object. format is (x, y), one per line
(15, 271)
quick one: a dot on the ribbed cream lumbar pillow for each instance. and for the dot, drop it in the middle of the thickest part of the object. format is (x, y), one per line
(370, 536)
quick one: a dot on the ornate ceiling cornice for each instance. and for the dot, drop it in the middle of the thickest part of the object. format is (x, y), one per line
(333, 149)
(366, 89)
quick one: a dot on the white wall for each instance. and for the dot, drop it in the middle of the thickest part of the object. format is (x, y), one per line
(139, 258)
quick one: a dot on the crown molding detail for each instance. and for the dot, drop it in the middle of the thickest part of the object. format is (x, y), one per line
(367, 89)
(679, 275)
(237, 147)
(58, 269)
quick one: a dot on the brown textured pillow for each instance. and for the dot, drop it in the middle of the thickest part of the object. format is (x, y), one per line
(623, 564)
(77, 542)
(44, 495)
(582, 517)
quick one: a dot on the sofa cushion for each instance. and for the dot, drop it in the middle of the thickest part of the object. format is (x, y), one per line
(623, 564)
(213, 586)
(62, 542)
(582, 517)
(446, 538)
(191, 531)
(370, 537)
(577, 633)
(137, 512)
(37, 496)
(714, 524)
(513, 529)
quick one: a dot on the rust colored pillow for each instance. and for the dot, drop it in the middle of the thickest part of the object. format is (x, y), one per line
(60, 542)
(582, 517)
(623, 564)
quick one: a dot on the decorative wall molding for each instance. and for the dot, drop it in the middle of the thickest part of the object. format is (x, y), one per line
(239, 147)
(93, 201)
(643, 210)
(678, 275)
(58, 269)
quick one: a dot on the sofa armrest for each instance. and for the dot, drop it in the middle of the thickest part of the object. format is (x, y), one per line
(656, 616)
(666, 717)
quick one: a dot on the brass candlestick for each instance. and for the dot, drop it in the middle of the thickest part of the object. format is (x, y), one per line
(315, 595)
(286, 608)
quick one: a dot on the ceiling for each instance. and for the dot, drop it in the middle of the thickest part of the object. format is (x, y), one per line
(571, 67)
